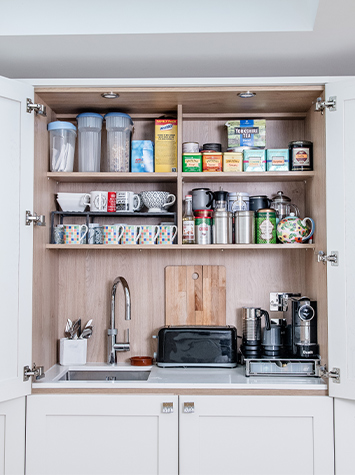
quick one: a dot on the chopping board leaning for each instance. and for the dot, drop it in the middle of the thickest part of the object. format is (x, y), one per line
(195, 295)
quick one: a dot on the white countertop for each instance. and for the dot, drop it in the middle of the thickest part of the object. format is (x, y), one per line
(179, 378)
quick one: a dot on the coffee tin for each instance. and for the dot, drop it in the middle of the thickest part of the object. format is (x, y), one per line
(266, 226)
(301, 155)
(203, 229)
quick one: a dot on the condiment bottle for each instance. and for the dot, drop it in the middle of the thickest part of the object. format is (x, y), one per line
(188, 222)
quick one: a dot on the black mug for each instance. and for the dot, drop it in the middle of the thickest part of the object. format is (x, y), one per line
(258, 202)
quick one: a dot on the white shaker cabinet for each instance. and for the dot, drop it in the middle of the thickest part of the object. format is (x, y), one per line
(256, 435)
(12, 436)
(102, 435)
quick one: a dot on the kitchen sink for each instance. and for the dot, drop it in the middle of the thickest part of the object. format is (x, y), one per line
(105, 375)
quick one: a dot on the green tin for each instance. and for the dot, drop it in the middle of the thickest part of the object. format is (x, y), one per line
(265, 226)
(192, 162)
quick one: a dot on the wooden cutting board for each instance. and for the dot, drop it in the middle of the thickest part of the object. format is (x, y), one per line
(195, 295)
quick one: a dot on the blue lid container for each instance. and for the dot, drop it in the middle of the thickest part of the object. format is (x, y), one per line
(89, 120)
(61, 125)
(118, 119)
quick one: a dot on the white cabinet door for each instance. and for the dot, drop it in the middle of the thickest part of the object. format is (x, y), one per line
(254, 435)
(16, 195)
(344, 431)
(101, 434)
(340, 160)
(12, 436)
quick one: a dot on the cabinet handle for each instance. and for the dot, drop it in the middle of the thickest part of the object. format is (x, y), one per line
(168, 407)
(189, 407)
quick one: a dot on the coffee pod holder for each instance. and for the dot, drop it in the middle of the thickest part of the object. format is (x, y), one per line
(72, 352)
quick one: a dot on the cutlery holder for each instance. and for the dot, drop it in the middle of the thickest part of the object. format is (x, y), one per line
(72, 352)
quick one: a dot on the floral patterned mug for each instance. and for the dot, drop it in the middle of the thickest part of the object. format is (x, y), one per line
(294, 230)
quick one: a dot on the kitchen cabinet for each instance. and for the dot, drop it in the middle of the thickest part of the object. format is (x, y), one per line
(12, 436)
(102, 434)
(73, 282)
(252, 435)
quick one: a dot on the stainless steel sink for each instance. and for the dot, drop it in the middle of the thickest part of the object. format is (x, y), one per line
(105, 375)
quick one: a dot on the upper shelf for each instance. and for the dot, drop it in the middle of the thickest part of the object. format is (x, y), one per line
(193, 177)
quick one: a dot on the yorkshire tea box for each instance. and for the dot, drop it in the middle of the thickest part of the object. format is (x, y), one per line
(277, 160)
(246, 133)
(166, 145)
(254, 161)
(142, 156)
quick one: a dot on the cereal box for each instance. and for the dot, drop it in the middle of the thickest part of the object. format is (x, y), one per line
(247, 133)
(254, 161)
(277, 159)
(166, 145)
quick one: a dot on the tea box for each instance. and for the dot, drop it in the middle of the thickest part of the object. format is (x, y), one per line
(142, 156)
(192, 162)
(212, 162)
(254, 161)
(277, 160)
(233, 162)
(165, 145)
(247, 133)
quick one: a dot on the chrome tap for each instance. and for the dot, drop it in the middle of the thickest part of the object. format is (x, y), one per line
(113, 346)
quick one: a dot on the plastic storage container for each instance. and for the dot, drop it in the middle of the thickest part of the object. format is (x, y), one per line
(62, 137)
(119, 128)
(89, 126)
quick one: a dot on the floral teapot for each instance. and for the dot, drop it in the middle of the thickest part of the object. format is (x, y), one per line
(294, 230)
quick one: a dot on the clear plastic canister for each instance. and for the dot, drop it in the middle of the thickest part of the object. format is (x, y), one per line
(89, 126)
(62, 137)
(119, 128)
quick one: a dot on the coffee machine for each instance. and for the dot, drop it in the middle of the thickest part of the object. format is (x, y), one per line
(300, 324)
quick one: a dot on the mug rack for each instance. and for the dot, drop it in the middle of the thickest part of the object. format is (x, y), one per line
(90, 217)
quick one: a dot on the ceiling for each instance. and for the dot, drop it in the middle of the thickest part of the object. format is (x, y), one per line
(118, 39)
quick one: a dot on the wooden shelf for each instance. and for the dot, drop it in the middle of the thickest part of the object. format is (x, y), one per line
(111, 177)
(194, 177)
(194, 247)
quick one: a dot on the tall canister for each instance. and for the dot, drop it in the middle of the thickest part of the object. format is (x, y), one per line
(89, 141)
(222, 227)
(244, 227)
(119, 128)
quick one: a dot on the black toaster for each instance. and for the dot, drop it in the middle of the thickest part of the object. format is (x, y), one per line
(197, 346)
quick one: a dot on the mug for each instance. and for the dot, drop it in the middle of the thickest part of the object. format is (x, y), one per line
(149, 234)
(131, 233)
(127, 201)
(75, 233)
(112, 233)
(98, 201)
(167, 233)
(95, 233)
(202, 198)
(58, 234)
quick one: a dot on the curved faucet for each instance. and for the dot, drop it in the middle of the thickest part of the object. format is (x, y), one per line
(113, 346)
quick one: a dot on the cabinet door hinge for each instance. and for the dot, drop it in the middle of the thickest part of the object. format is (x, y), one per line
(334, 374)
(330, 104)
(38, 220)
(38, 108)
(36, 371)
(333, 258)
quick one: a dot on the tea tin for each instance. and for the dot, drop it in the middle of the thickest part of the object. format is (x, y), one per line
(301, 155)
(192, 162)
(277, 159)
(233, 162)
(203, 229)
(212, 162)
(266, 226)
(254, 161)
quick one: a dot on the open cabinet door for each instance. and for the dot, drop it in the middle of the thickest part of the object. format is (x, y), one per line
(340, 132)
(16, 196)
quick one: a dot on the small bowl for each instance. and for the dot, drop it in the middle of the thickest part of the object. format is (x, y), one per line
(141, 361)
(73, 201)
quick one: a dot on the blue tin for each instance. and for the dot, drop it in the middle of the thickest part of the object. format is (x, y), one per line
(277, 160)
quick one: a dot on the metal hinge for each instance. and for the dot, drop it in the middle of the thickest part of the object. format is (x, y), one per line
(333, 258)
(330, 104)
(38, 220)
(37, 372)
(38, 108)
(334, 374)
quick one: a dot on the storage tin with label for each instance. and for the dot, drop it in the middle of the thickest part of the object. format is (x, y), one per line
(254, 160)
(192, 162)
(277, 160)
(212, 162)
(266, 226)
(233, 162)
(301, 155)
(203, 228)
